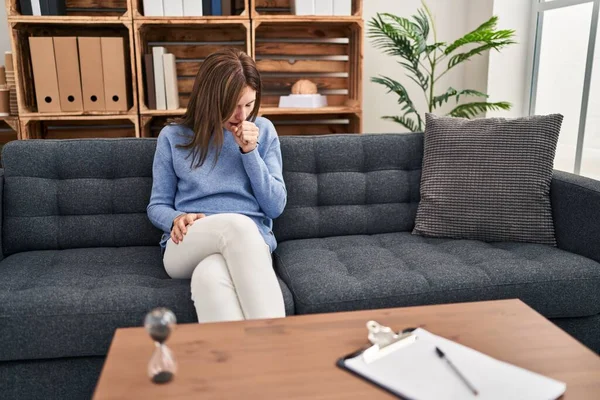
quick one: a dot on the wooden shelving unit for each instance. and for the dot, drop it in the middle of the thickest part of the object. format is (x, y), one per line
(328, 50)
(9, 131)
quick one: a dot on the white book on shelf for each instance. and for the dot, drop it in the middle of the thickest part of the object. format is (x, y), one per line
(159, 77)
(153, 8)
(342, 7)
(35, 7)
(303, 7)
(324, 7)
(172, 91)
(192, 8)
(173, 8)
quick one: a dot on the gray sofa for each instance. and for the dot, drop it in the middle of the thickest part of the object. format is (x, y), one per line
(80, 257)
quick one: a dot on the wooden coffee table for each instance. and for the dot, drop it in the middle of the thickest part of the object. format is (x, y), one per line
(294, 357)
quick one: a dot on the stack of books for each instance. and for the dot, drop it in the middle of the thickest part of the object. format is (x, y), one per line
(187, 8)
(162, 92)
(321, 7)
(43, 7)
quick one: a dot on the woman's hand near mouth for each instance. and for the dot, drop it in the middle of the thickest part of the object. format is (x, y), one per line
(246, 135)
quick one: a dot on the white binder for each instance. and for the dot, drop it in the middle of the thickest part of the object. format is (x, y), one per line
(192, 8)
(173, 8)
(159, 77)
(153, 8)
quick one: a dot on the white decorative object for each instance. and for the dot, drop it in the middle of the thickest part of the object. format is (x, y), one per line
(192, 8)
(153, 8)
(324, 7)
(173, 8)
(303, 7)
(303, 101)
(342, 7)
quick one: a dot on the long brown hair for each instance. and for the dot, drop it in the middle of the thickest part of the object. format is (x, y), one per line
(219, 84)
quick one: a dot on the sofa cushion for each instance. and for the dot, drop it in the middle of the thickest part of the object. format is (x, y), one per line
(400, 269)
(68, 303)
(61, 194)
(488, 178)
(369, 181)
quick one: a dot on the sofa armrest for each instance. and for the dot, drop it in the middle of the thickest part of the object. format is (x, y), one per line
(576, 212)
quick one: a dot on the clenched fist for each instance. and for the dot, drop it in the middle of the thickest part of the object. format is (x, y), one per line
(246, 136)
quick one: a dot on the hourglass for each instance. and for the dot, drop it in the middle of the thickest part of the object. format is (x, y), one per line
(162, 366)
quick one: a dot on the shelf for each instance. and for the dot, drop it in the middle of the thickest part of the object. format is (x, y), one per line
(75, 117)
(308, 111)
(58, 19)
(190, 20)
(167, 113)
(299, 19)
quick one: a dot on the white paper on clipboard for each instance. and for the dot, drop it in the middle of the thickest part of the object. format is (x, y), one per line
(416, 372)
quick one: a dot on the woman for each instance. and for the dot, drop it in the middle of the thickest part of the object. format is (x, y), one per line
(217, 185)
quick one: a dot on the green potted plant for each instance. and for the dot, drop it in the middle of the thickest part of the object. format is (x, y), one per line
(425, 63)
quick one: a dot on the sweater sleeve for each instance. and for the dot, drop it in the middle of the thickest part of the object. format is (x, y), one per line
(266, 176)
(161, 210)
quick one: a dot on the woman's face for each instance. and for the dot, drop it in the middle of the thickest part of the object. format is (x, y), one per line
(243, 108)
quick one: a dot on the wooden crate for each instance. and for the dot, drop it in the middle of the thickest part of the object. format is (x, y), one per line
(118, 10)
(327, 53)
(151, 125)
(20, 33)
(80, 127)
(315, 124)
(240, 10)
(282, 8)
(190, 43)
(9, 131)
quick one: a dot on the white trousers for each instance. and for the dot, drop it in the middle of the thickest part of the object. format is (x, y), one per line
(231, 269)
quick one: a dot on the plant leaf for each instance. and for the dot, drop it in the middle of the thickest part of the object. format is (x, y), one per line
(451, 92)
(484, 33)
(408, 123)
(461, 57)
(470, 110)
(390, 40)
(396, 87)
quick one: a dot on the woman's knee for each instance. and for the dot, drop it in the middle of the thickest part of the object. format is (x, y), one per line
(211, 272)
(239, 225)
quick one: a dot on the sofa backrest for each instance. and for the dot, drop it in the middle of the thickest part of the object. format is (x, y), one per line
(350, 184)
(77, 193)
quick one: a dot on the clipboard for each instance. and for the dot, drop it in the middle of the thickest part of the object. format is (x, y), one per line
(407, 365)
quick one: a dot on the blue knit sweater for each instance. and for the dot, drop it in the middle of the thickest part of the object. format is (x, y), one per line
(250, 184)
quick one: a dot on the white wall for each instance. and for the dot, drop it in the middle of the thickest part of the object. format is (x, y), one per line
(4, 38)
(476, 76)
(508, 72)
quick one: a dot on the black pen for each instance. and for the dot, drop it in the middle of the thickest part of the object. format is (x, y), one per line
(441, 354)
